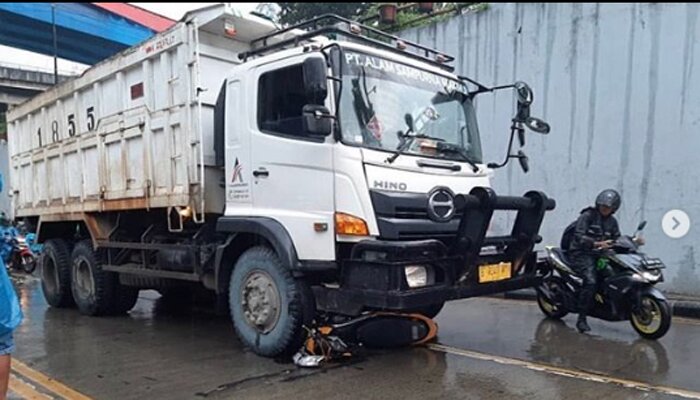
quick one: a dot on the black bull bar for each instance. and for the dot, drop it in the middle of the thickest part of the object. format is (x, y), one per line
(375, 274)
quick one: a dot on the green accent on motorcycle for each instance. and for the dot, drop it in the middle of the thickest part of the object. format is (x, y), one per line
(601, 264)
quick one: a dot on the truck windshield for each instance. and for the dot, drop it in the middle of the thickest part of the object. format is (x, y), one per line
(386, 105)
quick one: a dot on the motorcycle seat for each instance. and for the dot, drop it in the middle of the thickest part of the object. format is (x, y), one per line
(563, 257)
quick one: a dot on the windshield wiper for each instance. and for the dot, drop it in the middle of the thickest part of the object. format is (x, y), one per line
(459, 150)
(440, 145)
(407, 139)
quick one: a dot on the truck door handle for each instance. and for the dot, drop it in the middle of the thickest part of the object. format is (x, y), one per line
(260, 172)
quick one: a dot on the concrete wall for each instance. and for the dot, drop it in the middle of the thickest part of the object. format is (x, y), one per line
(620, 86)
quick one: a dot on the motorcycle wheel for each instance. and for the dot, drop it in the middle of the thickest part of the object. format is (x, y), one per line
(547, 306)
(28, 263)
(653, 319)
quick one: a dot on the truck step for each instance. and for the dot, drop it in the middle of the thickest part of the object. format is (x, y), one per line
(136, 269)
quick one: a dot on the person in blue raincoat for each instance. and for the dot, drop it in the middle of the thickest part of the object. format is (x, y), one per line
(8, 233)
(10, 318)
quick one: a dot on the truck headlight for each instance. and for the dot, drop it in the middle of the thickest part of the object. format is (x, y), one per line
(419, 276)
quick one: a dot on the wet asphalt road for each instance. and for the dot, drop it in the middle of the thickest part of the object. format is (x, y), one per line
(487, 348)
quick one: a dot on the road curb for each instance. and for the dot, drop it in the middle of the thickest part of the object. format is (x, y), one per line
(684, 308)
(681, 308)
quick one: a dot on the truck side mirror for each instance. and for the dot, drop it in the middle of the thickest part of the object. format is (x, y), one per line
(537, 125)
(315, 80)
(521, 136)
(524, 96)
(524, 93)
(316, 120)
(524, 161)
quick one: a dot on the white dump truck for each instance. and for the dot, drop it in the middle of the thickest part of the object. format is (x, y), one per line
(324, 167)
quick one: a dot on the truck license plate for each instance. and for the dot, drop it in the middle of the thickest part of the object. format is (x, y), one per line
(494, 272)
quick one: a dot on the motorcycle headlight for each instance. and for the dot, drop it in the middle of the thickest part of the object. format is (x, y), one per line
(418, 276)
(651, 276)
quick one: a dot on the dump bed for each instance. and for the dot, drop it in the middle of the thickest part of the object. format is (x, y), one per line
(134, 131)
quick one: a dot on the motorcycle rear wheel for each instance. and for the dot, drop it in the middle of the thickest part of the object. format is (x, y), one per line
(653, 319)
(547, 306)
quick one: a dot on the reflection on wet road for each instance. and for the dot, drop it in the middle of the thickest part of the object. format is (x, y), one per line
(517, 330)
(487, 348)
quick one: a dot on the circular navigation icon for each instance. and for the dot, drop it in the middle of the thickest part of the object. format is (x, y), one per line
(675, 224)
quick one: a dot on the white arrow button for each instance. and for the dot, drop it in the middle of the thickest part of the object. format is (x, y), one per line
(676, 224)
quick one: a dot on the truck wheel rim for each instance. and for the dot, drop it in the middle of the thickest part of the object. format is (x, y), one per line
(648, 318)
(83, 279)
(260, 301)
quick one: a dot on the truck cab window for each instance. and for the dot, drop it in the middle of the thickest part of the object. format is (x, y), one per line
(378, 94)
(281, 98)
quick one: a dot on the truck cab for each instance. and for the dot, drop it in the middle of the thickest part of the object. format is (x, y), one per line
(337, 187)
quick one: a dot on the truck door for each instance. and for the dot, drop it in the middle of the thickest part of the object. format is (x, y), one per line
(239, 196)
(292, 172)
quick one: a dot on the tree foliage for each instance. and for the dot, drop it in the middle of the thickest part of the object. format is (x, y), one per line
(408, 17)
(293, 13)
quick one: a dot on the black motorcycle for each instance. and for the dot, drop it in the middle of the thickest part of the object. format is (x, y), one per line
(625, 289)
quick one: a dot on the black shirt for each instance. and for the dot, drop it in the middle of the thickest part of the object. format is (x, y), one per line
(592, 227)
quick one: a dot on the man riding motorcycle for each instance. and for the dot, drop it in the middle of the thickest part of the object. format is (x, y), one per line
(599, 272)
(595, 229)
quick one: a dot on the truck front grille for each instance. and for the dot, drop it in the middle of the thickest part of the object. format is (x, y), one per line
(404, 216)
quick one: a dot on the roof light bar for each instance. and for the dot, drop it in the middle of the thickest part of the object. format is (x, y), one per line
(332, 24)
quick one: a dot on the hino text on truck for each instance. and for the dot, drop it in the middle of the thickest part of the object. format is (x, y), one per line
(326, 167)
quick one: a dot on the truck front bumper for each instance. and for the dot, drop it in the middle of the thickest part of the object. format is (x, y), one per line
(374, 277)
(372, 283)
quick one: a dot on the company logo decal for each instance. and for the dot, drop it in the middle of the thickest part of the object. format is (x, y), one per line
(237, 175)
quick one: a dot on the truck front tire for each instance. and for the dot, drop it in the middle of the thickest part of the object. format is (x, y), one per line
(269, 307)
(97, 292)
(56, 273)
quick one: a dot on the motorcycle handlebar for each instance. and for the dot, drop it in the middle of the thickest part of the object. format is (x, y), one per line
(619, 244)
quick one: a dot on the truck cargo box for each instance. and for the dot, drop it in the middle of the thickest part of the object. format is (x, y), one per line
(134, 131)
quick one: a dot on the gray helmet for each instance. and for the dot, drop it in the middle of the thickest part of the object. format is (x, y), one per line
(609, 198)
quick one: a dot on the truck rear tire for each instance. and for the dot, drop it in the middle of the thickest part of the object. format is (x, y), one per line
(97, 292)
(56, 273)
(269, 307)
